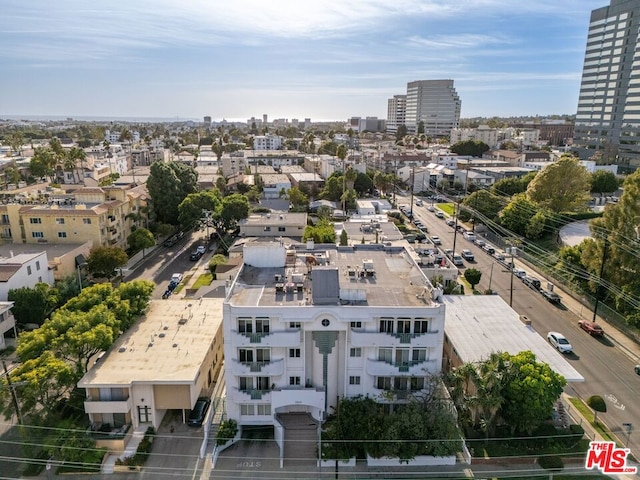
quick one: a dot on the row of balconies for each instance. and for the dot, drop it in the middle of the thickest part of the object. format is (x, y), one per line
(359, 338)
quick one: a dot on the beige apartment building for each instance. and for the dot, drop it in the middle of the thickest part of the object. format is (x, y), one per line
(102, 215)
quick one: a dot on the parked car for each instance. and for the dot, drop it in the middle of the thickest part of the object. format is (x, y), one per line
(176, 277)
(552, 297)
(489, 249)
(469, 236)
(479, 242)
(196, 417)
(591, 328)
(467, 255)
(167, 293)
(559, 342)
(451, 222)
(195, 255)
(419, 203)
(457, 260)
(448, 252)
(169, 242)
(637, 369)
(518, 272)
(532, 282)
(436, 240)
(202, 249)
(439, 214)
(431, 208)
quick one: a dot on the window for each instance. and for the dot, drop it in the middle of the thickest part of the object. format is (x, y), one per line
(385, 354)
(60, 221)
(400, 383)
(383, 383)
(86, 221)
(5, 218)
(263, 355)
(402, 356)
(421, 326)
(404, 326)
(246, 383)
(28, 269)
(354, 380)
(419, 355)
(294, 380)
(355, 352)
(62, 234)
(282, 229)
(245, 355)
(386, 326)
(262, 325)
(417, 383)
(246, 409)
(262, 383)
(37, 265)
(294, 324)
(245, 325)
(35, 220)
(356, 324)
(294, 353)
(267, 229)
(37, 235)
(264, 409)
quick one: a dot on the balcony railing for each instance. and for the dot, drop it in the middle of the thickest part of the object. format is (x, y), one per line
(362, 338)
(255, 394)
(282, 338)
(273, 367)
(411, 367)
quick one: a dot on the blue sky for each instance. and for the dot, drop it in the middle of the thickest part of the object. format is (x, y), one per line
(328, 59)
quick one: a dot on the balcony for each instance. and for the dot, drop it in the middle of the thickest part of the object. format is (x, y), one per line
(411, 368)
(240, 396)
(361, 338)
(112, 234)
(283, 338)
(107, 406)
(274, 367)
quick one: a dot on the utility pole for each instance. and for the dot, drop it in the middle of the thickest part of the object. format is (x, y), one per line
(11, 386)
(413, 181)
(604, 259)
(513, 250)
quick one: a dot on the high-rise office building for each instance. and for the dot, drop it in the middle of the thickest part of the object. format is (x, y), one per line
(608, 116)
(436, 104)
(396, 110)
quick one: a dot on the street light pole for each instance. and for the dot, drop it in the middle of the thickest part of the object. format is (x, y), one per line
(604, 259)
(13, 393)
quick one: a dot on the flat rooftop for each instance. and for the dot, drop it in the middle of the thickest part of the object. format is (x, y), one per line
(479, 325)
(367, 275)
(167, 345)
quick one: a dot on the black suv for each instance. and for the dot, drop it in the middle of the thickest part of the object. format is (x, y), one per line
(196, 417)
(195, 255)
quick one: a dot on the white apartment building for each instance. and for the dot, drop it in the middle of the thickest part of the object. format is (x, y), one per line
(7, 322)
(267, 142)
(396, 112)
(114, 137)
(483, 133)
(436, 104)
(23, 270)
(307, 325)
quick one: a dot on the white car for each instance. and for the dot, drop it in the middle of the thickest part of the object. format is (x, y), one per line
(559, 342)
(436, 240)
(431, 209)
(201, 249)
(176, 277)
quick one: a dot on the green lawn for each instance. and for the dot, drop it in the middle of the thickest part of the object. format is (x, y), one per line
(183, 283)
(587, 413)
(203, 280)
(447, 207)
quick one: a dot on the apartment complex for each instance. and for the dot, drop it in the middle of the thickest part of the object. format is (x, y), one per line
(396, 112)
(104, 216)
(608, 116)
(306, 325)
(436, 104)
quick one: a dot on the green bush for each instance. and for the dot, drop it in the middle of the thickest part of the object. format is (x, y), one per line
(551, 462)
(227, 431)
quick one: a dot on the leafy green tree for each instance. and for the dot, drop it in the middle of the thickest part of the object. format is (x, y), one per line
(332, 188)
(473, 276)
(168, 185)
(140, 239)
(401, 132)
(562, 186)
(512, 185)
(485, 202)
(344, 238)
(323, 232)
(597, 404)
(517, 214)
(192, 208)
(12, 175)
(383, 181)
(420, 127)
(33, 305)
(43, 163)
(16, 140)
(350, 177)
(298, 199)
(603, 181)
(234, 208)
(103, 261)
(473, 148)
(363, 184)
(535, 227)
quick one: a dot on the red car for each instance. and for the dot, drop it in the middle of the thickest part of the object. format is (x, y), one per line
(591, 328)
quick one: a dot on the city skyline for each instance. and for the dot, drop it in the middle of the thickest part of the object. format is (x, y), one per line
(287, 59)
